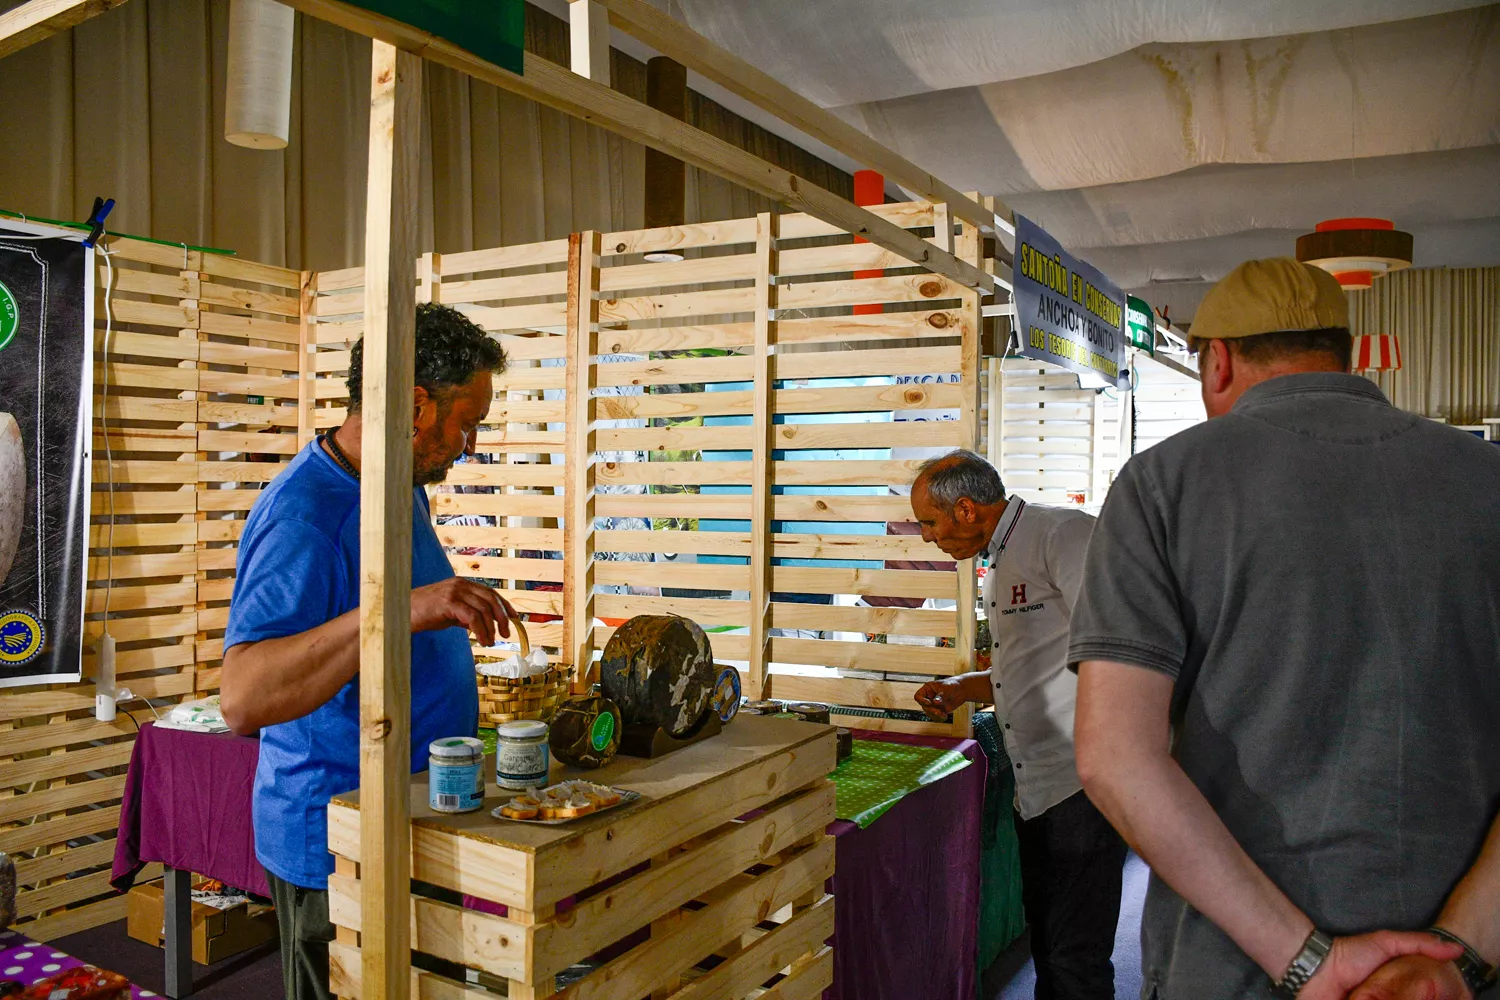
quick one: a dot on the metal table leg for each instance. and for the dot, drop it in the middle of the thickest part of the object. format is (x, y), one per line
(177, 892)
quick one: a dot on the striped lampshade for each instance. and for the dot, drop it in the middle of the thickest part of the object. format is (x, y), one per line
(1376, 352)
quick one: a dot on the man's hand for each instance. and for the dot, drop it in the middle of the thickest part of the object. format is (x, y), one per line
(456, 601)
(940, 698)
(1354, 959)
(1414, 977)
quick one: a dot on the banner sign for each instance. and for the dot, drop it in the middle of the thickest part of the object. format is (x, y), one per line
(1140, 324)
(46, 404)
(1068, 313)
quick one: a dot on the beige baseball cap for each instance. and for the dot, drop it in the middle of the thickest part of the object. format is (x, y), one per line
(1269, 296)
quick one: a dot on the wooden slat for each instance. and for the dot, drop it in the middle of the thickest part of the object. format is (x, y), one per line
(867, 656)
(217, 293)
(239, 269)
(847, 691)
(732, 908)
(81, 918)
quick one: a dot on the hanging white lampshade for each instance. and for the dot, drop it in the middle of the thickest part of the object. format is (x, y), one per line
(258, 93)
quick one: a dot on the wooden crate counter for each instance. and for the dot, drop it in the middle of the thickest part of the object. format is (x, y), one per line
(722, 882)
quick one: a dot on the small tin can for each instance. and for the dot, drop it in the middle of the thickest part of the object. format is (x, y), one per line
(810, 711)
(455, 768)
(522, 757)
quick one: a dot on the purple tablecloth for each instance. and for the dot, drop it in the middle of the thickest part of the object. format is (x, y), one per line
(906, 889)
(187, 805)
(26, 961)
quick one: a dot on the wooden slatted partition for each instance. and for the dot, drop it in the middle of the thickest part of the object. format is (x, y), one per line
(249, 390)
(182, 339)
(671, 374)
(501, 514)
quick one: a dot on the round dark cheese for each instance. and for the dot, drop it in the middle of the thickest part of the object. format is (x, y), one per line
(660, 670)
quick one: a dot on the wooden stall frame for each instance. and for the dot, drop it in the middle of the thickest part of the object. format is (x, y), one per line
(395, 127)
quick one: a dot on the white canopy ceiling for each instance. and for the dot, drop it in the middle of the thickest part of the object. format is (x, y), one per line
(1166, 140)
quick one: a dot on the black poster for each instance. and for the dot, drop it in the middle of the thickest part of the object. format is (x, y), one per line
(46, 392)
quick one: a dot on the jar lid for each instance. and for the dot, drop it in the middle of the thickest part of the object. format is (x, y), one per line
(456, 746)
(525, 730)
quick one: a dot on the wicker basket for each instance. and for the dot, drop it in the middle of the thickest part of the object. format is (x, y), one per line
(509, 699)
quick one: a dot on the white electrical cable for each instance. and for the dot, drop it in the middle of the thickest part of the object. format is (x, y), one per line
(104, 687)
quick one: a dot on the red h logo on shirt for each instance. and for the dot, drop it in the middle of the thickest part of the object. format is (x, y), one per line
(1018, 594)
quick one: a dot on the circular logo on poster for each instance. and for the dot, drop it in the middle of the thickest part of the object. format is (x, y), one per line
(10, 316)
(21, 637)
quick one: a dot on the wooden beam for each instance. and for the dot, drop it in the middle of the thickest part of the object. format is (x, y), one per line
(766, 228)
(385, 515)
(588, 32)
(670, 37)
(40, 19)
(666, 176)
(556, 87)
(578, 523)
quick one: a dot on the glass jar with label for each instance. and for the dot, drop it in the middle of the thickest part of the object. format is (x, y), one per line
(522, 758)
(455, 774)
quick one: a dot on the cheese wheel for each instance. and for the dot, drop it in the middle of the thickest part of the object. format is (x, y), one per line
(12, 492)
(585, 732)
(660, 670)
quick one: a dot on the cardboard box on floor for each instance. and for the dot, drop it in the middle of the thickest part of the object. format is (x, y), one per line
(217, 934)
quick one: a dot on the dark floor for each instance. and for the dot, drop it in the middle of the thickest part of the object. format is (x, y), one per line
(1012, 977)
(254, 975)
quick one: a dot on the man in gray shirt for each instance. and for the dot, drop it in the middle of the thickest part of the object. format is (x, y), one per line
(1288, 644)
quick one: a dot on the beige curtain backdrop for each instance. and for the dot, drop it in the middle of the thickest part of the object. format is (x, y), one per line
(1448, 323)
(130, 105)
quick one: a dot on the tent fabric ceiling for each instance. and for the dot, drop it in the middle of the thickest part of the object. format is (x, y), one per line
(856, 51)
(1166, 140)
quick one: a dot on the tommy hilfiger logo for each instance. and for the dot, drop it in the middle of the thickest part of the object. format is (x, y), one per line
(1018, 594)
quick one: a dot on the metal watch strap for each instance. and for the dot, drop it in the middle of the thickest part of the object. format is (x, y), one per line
(1306, 964)
(1478, 974)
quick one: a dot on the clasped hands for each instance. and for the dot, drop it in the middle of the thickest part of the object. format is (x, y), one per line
(1389, 965)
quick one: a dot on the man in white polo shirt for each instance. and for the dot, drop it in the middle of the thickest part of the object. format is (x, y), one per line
(1071, 858)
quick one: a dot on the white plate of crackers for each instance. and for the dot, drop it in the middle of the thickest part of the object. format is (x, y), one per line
(562, 802)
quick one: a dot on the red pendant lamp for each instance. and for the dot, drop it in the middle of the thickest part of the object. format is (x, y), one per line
(1356, 251)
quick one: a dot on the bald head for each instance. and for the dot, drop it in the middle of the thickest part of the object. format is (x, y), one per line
(958, 499)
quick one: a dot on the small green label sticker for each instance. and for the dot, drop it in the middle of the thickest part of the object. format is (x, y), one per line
(10, 316)
(603, 730)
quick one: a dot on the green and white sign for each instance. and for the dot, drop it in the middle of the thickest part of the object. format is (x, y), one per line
(9, 316)
(1140, 328)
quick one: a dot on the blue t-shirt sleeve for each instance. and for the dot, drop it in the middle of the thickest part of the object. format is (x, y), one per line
(290, 579)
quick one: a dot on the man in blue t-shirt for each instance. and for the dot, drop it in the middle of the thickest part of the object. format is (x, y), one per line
(291, 659)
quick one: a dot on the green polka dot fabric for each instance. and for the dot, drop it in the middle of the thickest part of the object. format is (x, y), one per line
(877, 775)
(489, 738)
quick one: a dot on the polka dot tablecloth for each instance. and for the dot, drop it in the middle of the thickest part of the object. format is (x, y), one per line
(26, 961)
(877, 775)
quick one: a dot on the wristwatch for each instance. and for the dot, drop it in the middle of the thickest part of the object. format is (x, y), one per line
(1314, 950)
(1478, 975)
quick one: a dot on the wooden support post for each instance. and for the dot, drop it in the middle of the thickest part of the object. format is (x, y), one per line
(385, 517)
(578, 525)
(767, 226)
(430, 277)
(307, 369)
(666, 176)
(967, 248)
(588, 30)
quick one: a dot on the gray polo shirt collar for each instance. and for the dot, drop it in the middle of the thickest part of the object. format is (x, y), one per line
(1308, 383)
